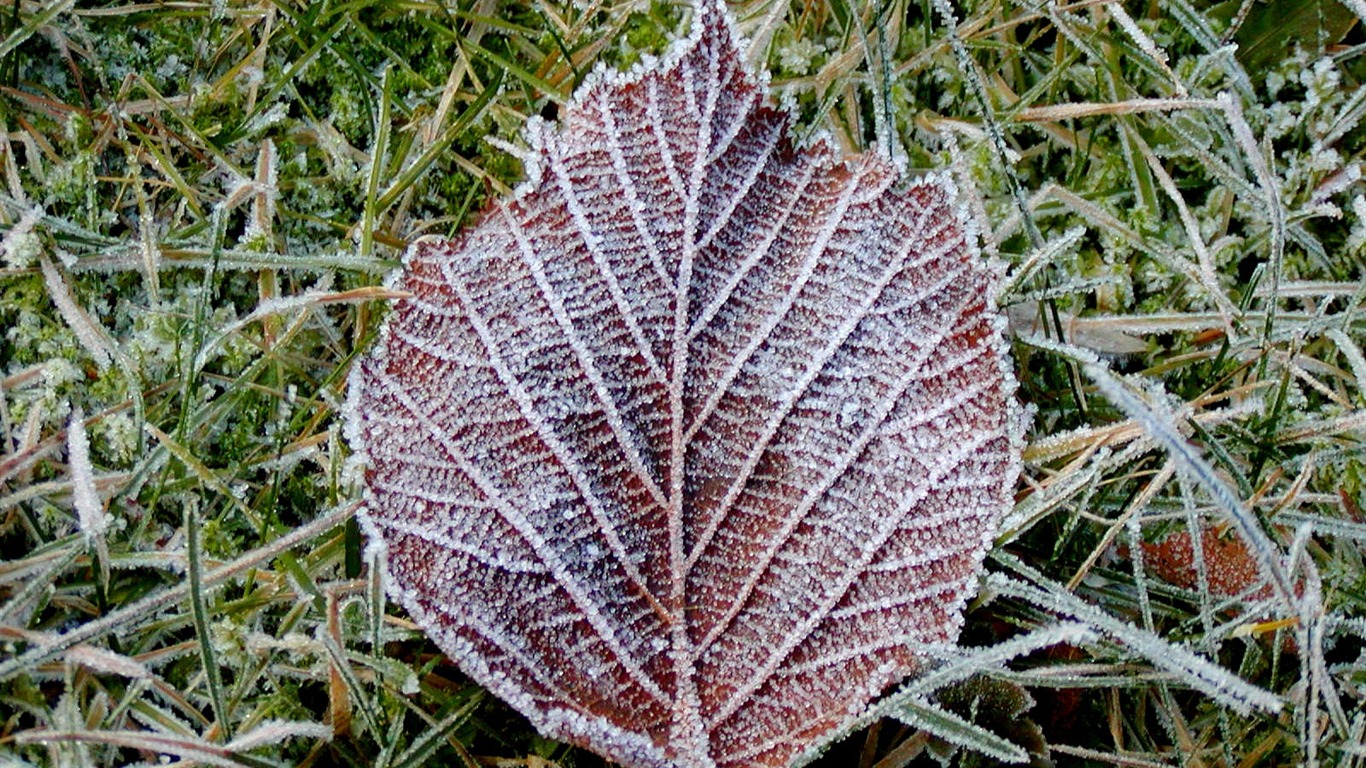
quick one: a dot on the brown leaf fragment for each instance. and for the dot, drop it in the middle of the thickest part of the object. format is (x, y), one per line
(692, 446)
(1231, 567)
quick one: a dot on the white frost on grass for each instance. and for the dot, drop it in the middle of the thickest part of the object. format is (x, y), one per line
(1187, 667)
(89, 509)
(1162, 428)
(90, 514)
(88, 333)
(276, 731)
(105, 661)
(20, 246)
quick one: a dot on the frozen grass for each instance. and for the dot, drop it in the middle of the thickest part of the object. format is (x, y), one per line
(200, 200)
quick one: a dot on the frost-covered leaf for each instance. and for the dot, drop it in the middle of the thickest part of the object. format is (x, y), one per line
(688, 447)
(1230, 567)
(1273, 29)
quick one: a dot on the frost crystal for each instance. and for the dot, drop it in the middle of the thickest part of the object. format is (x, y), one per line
(688, 447)
(90, 512)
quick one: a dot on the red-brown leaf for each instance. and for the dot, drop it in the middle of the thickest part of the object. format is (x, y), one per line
(1232, 569)
(688, 447)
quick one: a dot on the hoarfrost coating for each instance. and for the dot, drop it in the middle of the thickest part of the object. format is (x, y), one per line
(689, 446)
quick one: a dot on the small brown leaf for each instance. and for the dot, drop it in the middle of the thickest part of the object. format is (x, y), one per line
(691, 447)
(1231, 567)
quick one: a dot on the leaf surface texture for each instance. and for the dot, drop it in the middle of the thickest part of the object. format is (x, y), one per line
(688, 446)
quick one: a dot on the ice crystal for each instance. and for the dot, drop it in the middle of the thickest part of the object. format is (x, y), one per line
(686, 449)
